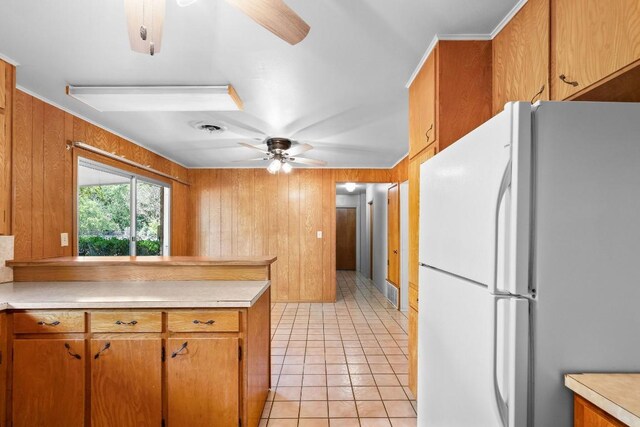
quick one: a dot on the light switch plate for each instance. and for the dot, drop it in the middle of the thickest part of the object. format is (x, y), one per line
(319, 234)
(64, 239)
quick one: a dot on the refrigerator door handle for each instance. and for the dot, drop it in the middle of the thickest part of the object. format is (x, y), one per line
(504, 186)
(500, 405)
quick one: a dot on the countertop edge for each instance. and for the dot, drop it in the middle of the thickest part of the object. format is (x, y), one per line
(136, 304)
(601, 401)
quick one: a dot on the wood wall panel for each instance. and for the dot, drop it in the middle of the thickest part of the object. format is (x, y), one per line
(43, 178)
(251, 212)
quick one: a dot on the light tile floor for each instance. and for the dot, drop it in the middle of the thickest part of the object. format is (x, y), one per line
(342, 364)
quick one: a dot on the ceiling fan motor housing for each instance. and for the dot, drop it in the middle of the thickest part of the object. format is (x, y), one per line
(282, 144)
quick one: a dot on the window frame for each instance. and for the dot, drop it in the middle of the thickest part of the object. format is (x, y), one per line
(134, 178)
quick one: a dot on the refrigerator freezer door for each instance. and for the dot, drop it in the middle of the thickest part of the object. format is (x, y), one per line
(462, 191)
(472, 355)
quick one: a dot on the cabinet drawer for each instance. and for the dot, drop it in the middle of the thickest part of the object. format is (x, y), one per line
(204, 321)
(126, 321)
(413, 298)
(48, 322)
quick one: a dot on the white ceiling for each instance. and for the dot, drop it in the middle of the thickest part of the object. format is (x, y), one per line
(342, 89)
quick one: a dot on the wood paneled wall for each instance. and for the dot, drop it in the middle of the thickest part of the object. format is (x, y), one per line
(43, 182)
(251, 212)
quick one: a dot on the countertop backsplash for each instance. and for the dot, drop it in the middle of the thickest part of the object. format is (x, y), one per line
(6, 254)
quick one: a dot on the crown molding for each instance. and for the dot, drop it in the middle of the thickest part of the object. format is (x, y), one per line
(11, 61)
(489, 36)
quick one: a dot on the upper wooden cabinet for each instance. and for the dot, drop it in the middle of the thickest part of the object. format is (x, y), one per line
(593, 41)
(7, 85)
(422, 107)
(521, 57)
(451, 94)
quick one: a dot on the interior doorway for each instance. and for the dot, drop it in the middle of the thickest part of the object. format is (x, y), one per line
(346, 238)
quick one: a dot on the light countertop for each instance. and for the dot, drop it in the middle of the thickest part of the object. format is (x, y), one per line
(616, 394)
(130, 294)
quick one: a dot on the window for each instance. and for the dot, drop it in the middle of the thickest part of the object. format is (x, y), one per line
(121, 213)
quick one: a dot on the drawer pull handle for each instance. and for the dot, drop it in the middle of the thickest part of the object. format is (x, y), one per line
(43, 323)
(208, 322)
(71, 352)
(106, 347)
(567, 81)
(178, 351)
(533, 100)
(132, 323)
(427, 132)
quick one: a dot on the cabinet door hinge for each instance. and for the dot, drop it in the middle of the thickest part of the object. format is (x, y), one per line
(240, 352)
(162, 357)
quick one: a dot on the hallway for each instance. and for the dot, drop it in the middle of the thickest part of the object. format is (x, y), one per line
(342, 364)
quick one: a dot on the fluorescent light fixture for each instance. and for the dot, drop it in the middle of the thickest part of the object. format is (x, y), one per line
(350, 186)
(157, 98)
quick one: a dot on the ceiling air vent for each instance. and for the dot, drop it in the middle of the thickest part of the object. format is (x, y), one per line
(210, 128)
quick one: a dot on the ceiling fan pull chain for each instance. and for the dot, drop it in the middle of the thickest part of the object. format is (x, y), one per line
(152, 46)
(143, 29)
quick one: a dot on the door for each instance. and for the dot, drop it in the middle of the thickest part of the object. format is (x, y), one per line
(591, 40)
(203, 382)
(473, 356)
(345, 238)
(126, 385)
(393, 235)
(48, 383)
(464, 189)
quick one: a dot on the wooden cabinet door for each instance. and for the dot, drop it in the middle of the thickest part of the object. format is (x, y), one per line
(203, 382)
(586, 414)
(126, 387)
(393, 235)
(48, 383)
(414, 211)
(413, 350)
(592, 39)
(422, 107)
(521, 57)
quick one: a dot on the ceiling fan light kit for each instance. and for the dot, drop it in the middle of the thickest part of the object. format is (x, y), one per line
(281, 152)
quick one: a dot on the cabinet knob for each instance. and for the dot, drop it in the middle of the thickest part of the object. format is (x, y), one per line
(567, 81)
(208, 322)
(43, 323)
(180, 350)
(427, 132)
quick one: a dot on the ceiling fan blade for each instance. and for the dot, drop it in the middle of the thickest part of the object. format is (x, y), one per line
(254, 147)
(259, 159)
(299, 149)
(275, 16)
(306, 161)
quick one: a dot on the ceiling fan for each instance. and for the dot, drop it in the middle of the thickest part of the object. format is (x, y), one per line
(145, 19)
(282, 152)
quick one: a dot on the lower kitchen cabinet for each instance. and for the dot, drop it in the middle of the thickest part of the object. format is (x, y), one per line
(203, 382)
(126, 382)
(586, 414)
(123, 368)
(48, 383)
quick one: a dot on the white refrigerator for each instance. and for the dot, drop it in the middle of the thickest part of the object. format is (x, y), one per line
(529, 263)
